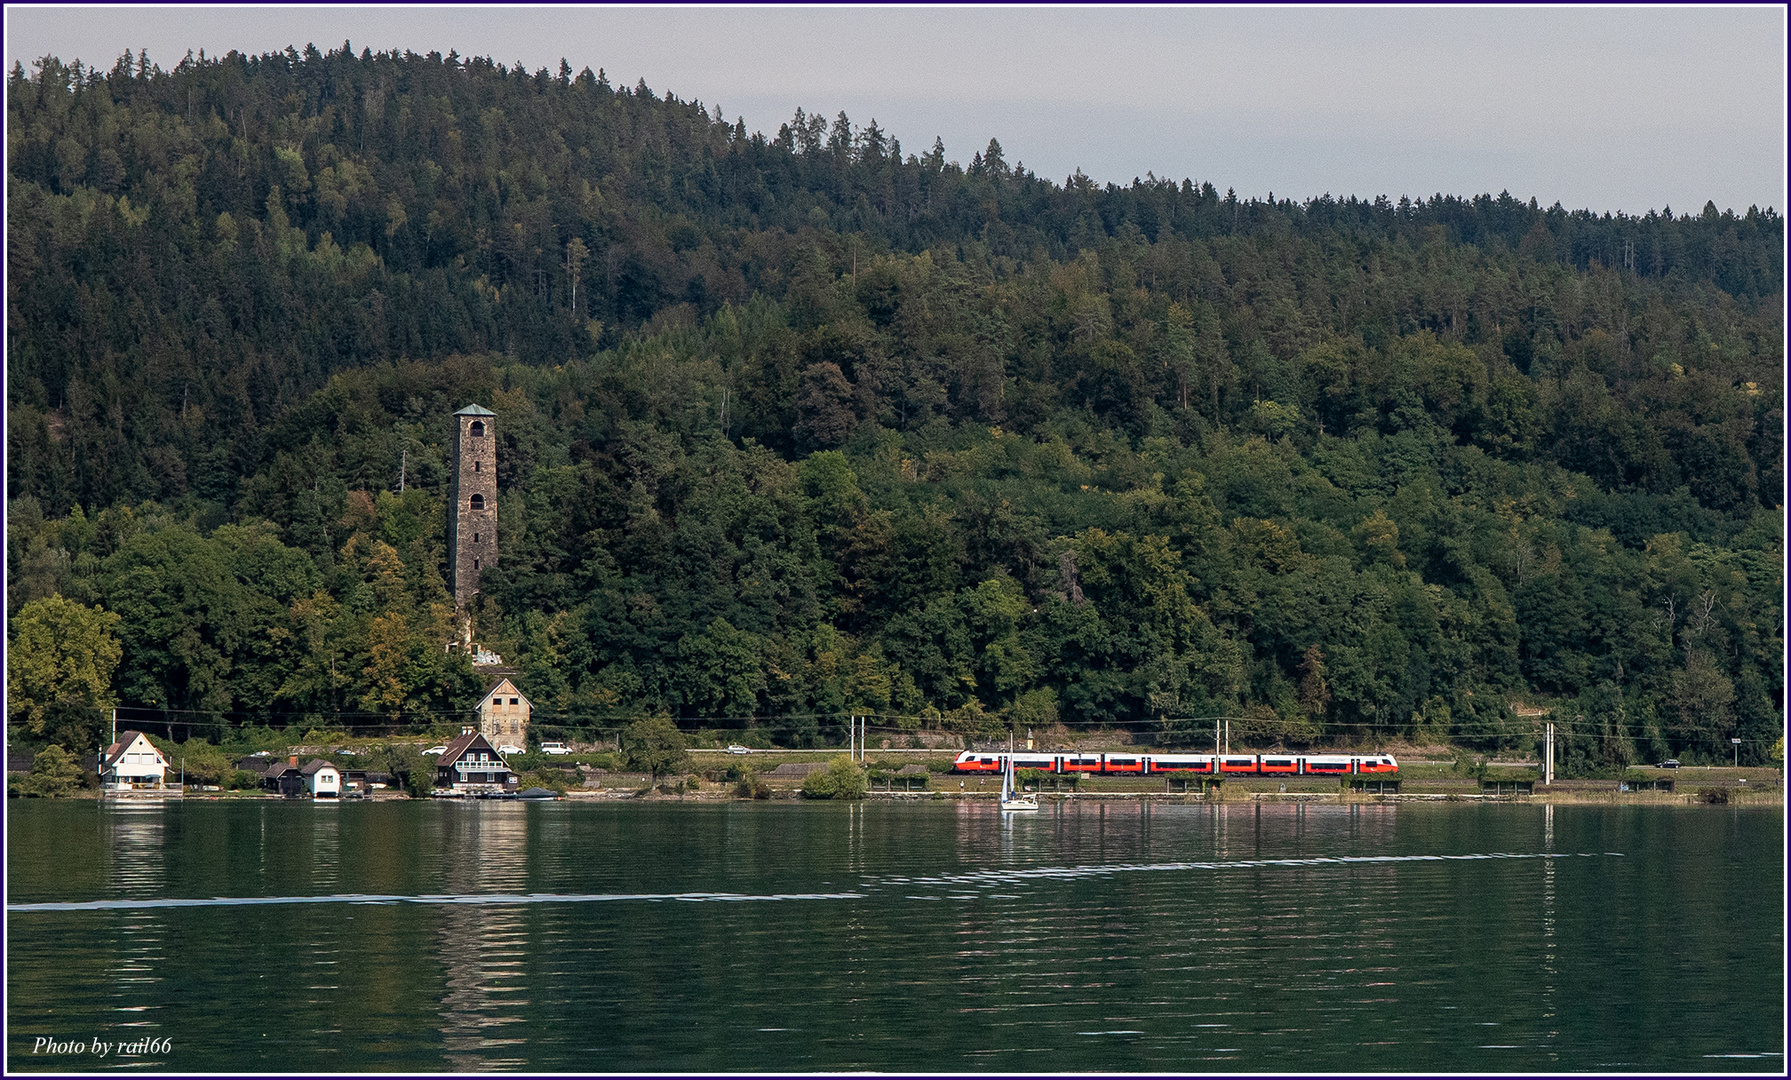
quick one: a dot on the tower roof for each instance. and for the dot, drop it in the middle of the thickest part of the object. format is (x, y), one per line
(475, 410)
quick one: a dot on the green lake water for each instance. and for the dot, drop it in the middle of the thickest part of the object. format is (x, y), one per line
(923, 936)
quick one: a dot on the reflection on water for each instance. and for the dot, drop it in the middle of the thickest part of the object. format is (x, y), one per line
(134, 842)
(936, 937)
(1549, 973)
(326, 845)
(484, 947)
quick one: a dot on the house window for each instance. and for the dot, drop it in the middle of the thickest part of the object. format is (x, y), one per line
(478, 429)
(513, 701)
(477, 502)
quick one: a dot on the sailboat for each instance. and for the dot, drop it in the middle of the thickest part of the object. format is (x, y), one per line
(1011, 796)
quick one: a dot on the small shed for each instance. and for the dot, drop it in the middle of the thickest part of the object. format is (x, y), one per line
(284, 777)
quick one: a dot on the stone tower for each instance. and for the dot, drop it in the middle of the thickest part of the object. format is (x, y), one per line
(472, 506)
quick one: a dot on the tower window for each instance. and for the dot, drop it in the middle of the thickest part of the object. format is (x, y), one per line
(475, 466)
(478, 429)
(475, 538)
(477, 502)
(475, 564)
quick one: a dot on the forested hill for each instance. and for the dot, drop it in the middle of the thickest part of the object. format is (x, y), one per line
(809, 424)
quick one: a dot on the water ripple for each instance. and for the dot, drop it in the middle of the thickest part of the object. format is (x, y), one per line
(368, 898)
(979, 878)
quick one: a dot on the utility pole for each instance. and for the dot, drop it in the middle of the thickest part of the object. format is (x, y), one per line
(1548, 752)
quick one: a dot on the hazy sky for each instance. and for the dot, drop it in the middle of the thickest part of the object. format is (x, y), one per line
(1601, 107)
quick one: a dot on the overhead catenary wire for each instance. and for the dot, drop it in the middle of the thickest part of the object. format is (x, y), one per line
(237, 719)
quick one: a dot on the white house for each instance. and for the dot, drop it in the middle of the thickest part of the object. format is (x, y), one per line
(132, 762)
(322, 779)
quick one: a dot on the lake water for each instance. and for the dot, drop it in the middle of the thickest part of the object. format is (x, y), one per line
(923, 936)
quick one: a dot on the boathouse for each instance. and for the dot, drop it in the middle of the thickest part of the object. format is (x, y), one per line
(317, 778)
(322, 779)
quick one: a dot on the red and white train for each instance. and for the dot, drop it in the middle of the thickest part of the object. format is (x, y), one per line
(973, 761)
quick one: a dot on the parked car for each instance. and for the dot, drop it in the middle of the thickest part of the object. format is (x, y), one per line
(442, 749)
(554, 748)
(738, 749)
(509, 748)
(1670, 763)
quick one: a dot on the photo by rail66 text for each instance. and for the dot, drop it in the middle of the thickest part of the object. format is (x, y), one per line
(45, 1044)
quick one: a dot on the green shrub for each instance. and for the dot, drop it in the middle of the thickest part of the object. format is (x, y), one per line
(555, 780)
(751, 787)
(842, 779)
(54, 773)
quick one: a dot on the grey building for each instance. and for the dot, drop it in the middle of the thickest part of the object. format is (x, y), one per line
(472, 506)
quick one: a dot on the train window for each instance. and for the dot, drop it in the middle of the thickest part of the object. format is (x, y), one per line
(1235, 762)
(1122, 761)
(1279, 762)
(988, 761)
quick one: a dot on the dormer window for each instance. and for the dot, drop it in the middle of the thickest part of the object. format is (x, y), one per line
(477, 430)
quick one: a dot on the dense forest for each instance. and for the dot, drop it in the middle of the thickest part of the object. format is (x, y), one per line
(802, 426)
